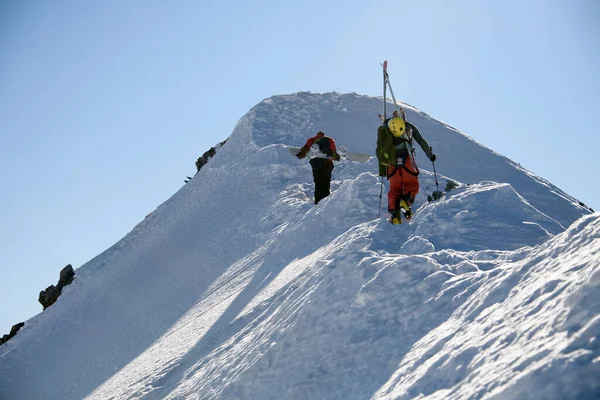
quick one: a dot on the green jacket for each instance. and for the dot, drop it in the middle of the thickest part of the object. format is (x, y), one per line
(390, 148)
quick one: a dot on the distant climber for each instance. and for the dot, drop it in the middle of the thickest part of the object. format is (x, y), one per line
(395, 153)
(324, 151)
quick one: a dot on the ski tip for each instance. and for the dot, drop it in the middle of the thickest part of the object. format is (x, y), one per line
(385, 65)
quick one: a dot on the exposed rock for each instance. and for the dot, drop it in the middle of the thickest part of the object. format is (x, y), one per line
(66, 276)
(203, 159)
(210, 153)
(15, 329)
(13, 332)
(50, 295)
(450, 184)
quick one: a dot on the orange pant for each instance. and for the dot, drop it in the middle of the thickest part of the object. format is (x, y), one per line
(402, 184)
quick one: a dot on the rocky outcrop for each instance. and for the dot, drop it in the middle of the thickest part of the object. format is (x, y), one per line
(50, 295)
(203, 159)
(47, 297)
(13, 332)
(450, 184)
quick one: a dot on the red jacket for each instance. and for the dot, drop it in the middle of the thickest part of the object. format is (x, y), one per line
(315, 139)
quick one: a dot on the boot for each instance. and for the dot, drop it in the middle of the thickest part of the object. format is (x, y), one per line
(405, 208)
(395, 218)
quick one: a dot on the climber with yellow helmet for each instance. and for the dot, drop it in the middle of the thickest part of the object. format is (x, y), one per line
(395, 154)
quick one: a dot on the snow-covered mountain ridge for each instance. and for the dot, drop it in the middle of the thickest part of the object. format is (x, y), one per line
(238, 287)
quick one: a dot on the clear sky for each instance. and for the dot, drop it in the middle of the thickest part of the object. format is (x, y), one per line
(105, 106)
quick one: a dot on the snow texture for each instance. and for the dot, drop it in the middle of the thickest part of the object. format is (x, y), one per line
(238, 287)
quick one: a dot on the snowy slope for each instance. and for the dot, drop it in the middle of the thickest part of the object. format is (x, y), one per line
(238, 287)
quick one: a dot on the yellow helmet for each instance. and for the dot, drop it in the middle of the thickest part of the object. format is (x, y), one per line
(397, 126)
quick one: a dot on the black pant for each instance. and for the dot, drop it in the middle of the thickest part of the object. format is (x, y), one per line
(322, 175)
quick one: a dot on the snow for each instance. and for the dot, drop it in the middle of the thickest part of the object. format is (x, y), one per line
(239, 287)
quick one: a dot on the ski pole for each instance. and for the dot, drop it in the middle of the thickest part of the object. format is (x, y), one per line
(380, 195)
(434, 173)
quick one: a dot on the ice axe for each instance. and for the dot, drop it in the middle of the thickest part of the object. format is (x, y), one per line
(437, 194)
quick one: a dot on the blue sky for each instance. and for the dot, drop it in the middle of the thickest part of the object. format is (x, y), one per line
(105, 106)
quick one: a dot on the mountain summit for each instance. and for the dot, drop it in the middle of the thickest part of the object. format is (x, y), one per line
(238, 287)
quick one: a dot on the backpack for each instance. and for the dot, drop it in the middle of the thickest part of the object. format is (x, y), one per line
(385, 152)
(324, 144)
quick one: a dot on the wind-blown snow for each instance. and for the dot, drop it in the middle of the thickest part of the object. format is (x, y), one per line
(239, 287)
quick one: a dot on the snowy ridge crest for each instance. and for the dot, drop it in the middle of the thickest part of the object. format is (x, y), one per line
(239, 287)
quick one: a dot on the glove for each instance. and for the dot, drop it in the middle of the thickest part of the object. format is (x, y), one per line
(300, 155)
(433, 157)
(335, 156)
